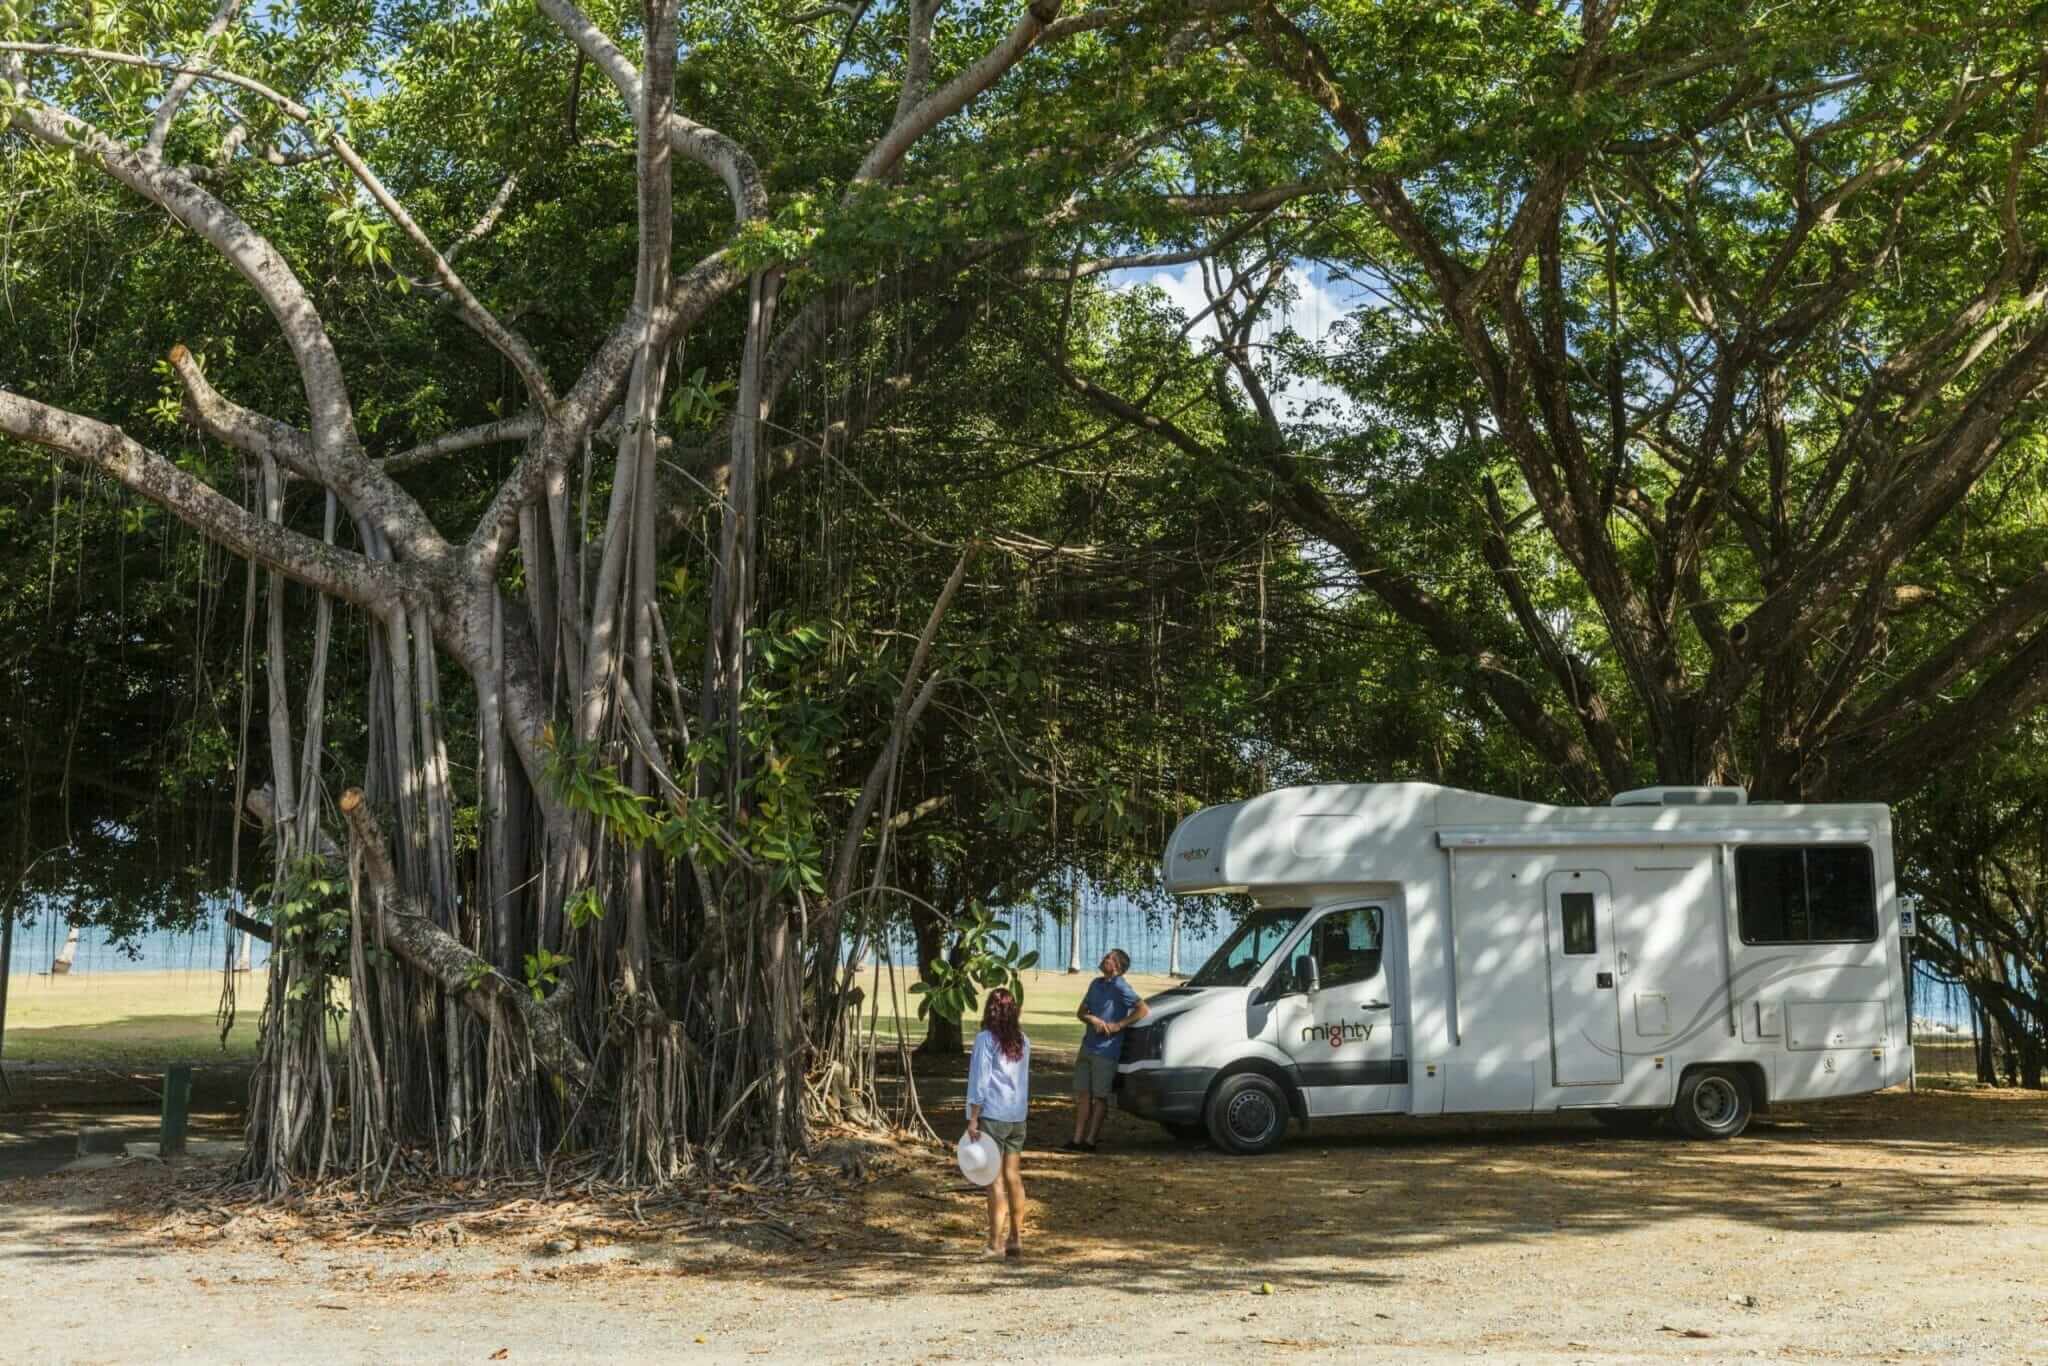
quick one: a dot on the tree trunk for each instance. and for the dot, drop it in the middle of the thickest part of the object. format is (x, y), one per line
(67, 955)
(6, 975)
(943, 1038)
(1074, 924)
(1986, 1045)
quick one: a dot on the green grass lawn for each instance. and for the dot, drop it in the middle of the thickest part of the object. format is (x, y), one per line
(148, 1018)
(1050, 999)
(128, 1017)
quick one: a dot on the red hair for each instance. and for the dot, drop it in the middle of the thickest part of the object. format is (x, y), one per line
(999, 1018)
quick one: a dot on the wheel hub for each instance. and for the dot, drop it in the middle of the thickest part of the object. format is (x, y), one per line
(1251, 1116)
(1714, 1102)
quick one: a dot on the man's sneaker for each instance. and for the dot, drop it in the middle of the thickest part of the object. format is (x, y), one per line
(1072, 1147)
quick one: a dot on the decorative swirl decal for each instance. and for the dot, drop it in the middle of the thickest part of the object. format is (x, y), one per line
(1764, 974)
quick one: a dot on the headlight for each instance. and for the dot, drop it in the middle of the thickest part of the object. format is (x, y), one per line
(1146, 1043)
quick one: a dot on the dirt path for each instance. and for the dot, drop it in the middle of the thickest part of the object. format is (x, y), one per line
(1894, 1228)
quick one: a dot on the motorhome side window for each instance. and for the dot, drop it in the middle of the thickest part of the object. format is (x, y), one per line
(1347, 946)
(1824, 894)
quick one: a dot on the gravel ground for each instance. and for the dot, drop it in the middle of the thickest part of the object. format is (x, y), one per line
(1893, 1228)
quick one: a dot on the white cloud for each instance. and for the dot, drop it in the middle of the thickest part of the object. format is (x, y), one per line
(1312, 312)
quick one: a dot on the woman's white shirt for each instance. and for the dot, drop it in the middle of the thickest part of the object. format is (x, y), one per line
(1000, 1086)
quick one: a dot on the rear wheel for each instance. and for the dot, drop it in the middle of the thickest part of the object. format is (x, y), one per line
(1248, 1114)
(1713, 1102)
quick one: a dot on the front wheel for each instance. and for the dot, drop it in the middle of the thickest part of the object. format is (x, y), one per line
(1713, 1102)
(1248, 1114)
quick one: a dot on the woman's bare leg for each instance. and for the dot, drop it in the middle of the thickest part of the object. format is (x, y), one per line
(1012, 1179)
(998, 1212)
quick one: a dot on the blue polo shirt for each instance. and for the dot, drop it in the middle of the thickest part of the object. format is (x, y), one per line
(1112, 999)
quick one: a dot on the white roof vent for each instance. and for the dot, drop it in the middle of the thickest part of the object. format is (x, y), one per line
(1682, 796)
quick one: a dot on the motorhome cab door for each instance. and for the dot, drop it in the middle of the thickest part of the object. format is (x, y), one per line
(1342, 1034)
(1585, 1009)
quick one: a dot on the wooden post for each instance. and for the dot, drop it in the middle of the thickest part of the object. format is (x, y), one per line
(177, 1111)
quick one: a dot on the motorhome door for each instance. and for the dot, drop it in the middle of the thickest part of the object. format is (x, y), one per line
(1585, 1010)
(1343, 1035)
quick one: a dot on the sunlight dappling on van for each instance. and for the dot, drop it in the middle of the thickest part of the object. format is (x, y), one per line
(1677, 956)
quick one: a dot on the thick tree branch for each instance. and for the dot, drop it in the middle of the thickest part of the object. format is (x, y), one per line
(521, 427)
(337, 454)
(597, 392)
(1490, 682)
(331, 570)
(495, 210)
(480, 319)
(706, 146)
(407, 927)
(1950, 736)
(167, 108)
(1576, 681)
(917, 55)
(239, 428)
(1099, 17)
(1926, 490)
(954, 96)
(2024, 606)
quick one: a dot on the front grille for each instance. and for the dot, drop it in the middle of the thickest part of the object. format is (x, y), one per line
(1146, 1043)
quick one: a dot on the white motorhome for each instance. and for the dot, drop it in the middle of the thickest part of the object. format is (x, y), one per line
(1420, 950)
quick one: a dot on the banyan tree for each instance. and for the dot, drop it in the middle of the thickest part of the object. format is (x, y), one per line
(640, 948)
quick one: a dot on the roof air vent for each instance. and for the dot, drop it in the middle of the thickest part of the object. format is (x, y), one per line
(1682, 796)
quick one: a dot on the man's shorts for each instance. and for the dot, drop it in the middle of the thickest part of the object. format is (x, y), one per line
(1093, 1074)
(1008, 1134)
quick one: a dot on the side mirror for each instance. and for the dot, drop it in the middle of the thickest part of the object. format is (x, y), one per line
(1306, 975)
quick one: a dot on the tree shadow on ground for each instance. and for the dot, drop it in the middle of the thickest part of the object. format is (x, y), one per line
(46, 1108)
(1355, 1198)
(89, 1240)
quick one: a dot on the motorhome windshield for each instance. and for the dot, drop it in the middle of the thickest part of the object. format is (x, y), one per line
(1255, 939)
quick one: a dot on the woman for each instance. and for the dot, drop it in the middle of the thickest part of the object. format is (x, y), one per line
(998, 1093)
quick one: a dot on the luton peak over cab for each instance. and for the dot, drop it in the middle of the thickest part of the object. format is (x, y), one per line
(1418, 950)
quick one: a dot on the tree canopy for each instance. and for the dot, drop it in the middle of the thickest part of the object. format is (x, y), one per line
(696, 491)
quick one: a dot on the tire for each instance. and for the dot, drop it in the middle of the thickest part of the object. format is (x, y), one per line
(1248, 1114)
(1627, 1123)
(1713, 1102)
(1185, 1131)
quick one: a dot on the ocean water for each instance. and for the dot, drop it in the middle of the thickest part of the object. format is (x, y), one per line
(36, 946)
(1115, 925)
(1105, 925)
(1102, 928)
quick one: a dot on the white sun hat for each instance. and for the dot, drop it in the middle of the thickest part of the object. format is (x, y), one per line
(979, 1159)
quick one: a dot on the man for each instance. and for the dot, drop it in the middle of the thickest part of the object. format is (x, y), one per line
(1110, 1006)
